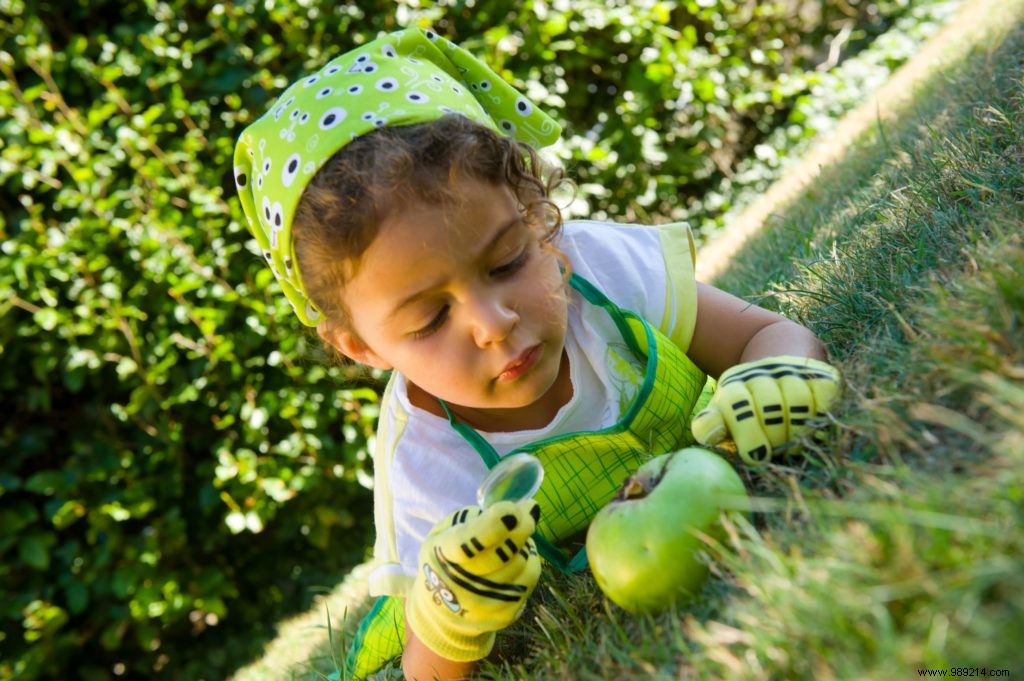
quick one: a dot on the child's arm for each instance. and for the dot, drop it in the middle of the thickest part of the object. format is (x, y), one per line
(420, 663)
(730, 331)
(772, 380)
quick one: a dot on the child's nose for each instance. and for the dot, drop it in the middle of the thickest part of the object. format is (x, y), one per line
(493, 321)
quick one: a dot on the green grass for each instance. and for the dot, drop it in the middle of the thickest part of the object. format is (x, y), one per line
(892, 540)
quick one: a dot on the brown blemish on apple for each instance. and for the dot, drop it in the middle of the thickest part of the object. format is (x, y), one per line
(638, 486)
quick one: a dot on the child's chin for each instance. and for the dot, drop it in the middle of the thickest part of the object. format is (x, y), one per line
(523, 397)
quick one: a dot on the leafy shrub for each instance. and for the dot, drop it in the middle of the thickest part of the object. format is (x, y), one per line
(173, 454)
(179, 464)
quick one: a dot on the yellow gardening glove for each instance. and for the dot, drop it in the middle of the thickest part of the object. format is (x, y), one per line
(765, 403)
(477, 568)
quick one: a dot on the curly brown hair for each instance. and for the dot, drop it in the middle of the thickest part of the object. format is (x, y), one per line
(387, 170)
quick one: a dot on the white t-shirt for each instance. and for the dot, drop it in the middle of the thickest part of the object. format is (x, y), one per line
(423, 469)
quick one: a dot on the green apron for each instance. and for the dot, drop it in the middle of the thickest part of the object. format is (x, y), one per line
(583, 470)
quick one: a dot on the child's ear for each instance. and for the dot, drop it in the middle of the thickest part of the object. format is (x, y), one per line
(350, 345)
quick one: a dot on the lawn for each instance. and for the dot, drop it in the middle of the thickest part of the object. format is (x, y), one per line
(890, 543)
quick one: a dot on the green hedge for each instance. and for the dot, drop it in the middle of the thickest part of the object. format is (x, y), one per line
(179, 464)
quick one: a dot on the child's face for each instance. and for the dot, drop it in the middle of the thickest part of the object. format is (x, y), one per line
(463, 301)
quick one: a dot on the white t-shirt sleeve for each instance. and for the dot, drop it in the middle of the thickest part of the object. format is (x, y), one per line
(646, 269)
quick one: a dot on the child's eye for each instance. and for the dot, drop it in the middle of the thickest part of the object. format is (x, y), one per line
(433, 325)
(512, 266)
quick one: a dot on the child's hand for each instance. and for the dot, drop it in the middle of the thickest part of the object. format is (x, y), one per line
(765, 403)
(477, 568)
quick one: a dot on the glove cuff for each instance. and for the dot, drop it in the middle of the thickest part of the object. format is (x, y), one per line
(774, 359)
(444, 640)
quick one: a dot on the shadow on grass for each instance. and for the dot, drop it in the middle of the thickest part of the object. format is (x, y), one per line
(307, 579)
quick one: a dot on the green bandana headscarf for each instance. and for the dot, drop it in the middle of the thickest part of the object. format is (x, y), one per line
(411, 76)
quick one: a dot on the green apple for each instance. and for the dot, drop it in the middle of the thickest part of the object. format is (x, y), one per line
(643, 545)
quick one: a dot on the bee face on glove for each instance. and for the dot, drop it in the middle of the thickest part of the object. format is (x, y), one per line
(442, 594)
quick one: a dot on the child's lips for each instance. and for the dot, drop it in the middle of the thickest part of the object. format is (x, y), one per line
(521, 364)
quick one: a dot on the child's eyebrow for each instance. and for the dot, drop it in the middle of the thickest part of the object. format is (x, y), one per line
(502, 230)
(498, 235)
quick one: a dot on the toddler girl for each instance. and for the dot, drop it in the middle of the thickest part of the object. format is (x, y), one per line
(397, 197)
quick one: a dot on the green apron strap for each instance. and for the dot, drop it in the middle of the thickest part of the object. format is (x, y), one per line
(482, 446)
(557, 558)
(621, 318)
(595, 297)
